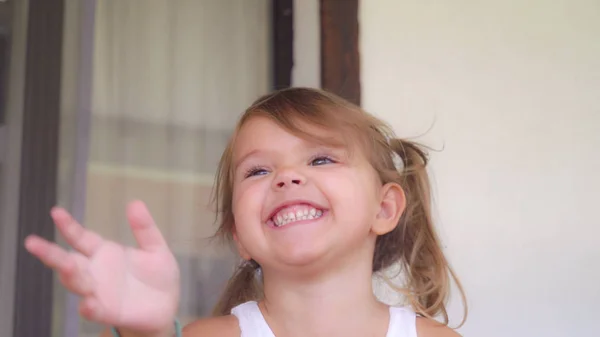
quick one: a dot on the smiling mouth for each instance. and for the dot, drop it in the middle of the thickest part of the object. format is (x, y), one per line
(295, 213)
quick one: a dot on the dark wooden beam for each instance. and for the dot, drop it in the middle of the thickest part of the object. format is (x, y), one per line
(340, 62)
(283, 43)
(39, 164)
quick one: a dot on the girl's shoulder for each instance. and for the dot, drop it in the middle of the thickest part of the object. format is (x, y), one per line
(429, 328)
(406, 322)
(225, 326)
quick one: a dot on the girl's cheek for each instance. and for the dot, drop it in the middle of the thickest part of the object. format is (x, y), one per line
(236, 196)
(247, 192)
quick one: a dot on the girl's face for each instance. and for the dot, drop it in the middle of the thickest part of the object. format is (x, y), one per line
(296, 202)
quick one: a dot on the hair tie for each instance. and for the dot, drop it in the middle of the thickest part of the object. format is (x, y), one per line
(396, 145)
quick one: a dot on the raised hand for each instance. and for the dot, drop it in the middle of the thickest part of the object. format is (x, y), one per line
(135, 289)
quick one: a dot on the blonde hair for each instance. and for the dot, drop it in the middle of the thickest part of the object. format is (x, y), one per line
(413, 244)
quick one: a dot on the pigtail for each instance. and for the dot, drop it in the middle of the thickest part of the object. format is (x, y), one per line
(427, 272)
(243, 286)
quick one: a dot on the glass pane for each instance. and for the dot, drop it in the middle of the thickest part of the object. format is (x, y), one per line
(64, 314)
(170, 78)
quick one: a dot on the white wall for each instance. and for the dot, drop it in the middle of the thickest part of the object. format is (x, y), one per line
(512, 89)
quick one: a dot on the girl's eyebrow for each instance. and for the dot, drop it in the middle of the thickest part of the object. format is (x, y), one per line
(246, 156)
(333, 149)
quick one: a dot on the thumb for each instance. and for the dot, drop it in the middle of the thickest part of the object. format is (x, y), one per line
(145, 231)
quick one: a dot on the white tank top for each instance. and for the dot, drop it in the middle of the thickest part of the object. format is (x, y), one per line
(253, 324)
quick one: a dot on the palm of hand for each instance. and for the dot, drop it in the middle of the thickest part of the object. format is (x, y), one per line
(135, 289)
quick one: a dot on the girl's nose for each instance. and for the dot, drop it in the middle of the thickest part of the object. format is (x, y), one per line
(288, 178)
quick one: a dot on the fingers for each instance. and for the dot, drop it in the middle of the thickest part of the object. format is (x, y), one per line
(50, 254)
(71, 267)
(81, 239)
(145, 231)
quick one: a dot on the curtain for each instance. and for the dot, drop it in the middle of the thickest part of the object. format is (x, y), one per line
(170, 78)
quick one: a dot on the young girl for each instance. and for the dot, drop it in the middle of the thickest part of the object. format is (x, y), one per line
(317, 195)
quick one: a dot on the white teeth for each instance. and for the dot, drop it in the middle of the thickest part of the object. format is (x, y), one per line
(285, 218)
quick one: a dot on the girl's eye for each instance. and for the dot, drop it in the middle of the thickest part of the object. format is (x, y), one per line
(255, 171)
(321, 160)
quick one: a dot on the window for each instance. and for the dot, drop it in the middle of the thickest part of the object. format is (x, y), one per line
(165, 84)
(145, 96)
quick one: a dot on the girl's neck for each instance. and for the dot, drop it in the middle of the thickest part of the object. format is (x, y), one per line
(338, 303)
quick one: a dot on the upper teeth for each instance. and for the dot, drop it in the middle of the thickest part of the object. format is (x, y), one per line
(296, 213)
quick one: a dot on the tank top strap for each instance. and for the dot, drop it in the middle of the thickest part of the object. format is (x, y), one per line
(403, 323)
(252, 322)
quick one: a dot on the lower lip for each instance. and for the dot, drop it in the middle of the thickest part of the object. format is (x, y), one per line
(301, 222)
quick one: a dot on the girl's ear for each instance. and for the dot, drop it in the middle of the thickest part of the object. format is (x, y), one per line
(393, 203)
(241, 250)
